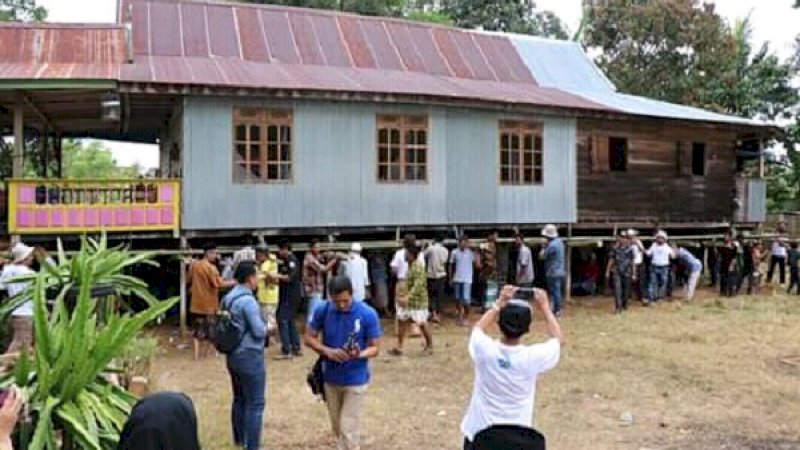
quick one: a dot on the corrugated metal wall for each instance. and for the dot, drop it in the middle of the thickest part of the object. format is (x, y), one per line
(335, 181)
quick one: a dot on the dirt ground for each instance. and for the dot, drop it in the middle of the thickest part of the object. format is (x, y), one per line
(716, 374)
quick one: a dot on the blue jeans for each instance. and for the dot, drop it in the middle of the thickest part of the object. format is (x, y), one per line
(463, 292)
(290, 338)
(658, 282)
(555, 288)
(249, 379)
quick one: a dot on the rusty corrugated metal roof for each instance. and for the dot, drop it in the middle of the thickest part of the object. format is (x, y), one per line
(275, 47)
(184, 42)
(59, 51)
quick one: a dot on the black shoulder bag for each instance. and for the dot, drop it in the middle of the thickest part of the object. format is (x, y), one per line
(315, 377)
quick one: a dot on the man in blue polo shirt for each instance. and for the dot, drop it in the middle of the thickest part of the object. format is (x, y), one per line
(346, 334)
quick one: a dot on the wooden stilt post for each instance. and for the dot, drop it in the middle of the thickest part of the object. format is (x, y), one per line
(184, 327)
(44, 148)
(18, 154)
(59, 156)
(568, 284)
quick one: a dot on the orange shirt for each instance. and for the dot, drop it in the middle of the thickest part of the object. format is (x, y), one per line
(205, 281)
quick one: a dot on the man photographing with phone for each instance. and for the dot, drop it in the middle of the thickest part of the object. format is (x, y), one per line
(500, 414)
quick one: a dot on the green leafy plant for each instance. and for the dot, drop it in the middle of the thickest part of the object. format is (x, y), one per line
(108, 266)
(65, 377)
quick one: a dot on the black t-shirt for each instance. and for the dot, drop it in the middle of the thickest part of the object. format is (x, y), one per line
(727, 254)
(292, 289)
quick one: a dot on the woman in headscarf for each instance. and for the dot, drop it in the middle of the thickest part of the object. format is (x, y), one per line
(164, 421)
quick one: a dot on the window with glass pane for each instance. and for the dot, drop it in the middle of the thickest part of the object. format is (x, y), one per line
(402, 149)
(521, 153)
(262, 145)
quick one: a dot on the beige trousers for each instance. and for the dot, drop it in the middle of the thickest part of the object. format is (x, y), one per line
(345, 404)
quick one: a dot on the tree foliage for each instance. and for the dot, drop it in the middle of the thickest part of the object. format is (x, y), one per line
(93, 160)
(753, 83)
(21, 10)
(667, 49)
(80, 160)
(682, 51)
(515, 16)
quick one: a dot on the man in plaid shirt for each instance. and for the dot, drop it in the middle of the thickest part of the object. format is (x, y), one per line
(314, 270)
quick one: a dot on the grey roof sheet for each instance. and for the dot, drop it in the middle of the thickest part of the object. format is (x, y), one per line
(564, 65)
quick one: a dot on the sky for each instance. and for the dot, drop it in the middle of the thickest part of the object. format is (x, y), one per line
(773, 21)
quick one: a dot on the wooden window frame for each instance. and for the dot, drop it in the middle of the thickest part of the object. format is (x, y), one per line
(274, 143)
(406, 128)
(612, 152)
(521, 130)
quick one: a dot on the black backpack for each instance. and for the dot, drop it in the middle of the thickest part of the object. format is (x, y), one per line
(227, 332)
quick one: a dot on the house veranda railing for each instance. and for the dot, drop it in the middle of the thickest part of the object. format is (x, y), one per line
(85, 206)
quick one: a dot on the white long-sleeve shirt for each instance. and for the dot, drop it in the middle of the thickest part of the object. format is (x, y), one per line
(359, 275)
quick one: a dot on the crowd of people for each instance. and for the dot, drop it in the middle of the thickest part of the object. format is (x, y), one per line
(265, 289)
(260, 288)
(652, 273)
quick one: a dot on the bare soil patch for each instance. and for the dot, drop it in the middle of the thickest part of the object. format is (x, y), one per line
(702, 376)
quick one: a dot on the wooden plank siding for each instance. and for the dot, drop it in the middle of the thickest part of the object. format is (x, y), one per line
(658, 186)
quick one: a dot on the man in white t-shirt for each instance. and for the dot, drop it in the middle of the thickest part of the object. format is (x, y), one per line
(462, 267)
(780, 253)
(22, 257)
(505, 370)
(660, 254)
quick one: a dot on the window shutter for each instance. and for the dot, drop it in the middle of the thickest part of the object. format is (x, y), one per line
(598, 145)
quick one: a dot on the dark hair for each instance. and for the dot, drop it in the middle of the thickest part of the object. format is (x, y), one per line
(340, 284)
(519, 234)
(285, 245)
(794, 245)
(492, 231)
(262, 249)
(409, 240)
(463, 238)
(244, 270)
(209, 246)
(515, 320)
(413, 251)
(313, 242)
(438, 238)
